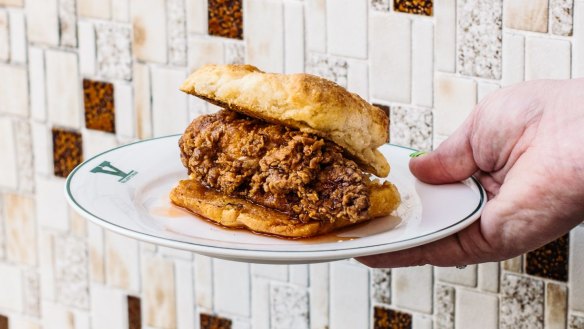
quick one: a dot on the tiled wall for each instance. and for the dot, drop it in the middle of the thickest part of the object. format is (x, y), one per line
(81, 76)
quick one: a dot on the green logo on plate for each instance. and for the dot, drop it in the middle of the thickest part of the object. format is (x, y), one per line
(107, 168)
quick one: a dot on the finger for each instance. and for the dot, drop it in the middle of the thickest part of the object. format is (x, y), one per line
(452, 161)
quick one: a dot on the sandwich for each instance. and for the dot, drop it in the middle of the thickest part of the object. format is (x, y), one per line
(288, 155)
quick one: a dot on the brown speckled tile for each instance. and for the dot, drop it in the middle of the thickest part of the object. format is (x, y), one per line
(67, 151)
(384, 318)
(419, 7)
(98, 98)
(3, 322)
(209, 321)
(226, 18)
(134, 313)
(549, 261)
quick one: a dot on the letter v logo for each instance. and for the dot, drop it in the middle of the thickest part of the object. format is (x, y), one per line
(107, 168)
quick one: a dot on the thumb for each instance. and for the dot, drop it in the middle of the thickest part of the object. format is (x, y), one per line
(451, 162)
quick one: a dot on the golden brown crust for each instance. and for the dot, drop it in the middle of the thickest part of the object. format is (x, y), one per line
(302, 101)
(238, 213)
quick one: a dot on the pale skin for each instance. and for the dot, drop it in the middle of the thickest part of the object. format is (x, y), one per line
(525, 145)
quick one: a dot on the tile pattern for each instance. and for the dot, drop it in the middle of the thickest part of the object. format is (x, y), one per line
(234, 53)
(98, 99)
(384, 318)
(67, 151)
(208, 321)
(419, 7)
(114, 54)
(381, 285)
(328, 67)
(480, 38)
(177, 32)
(67, 23)
(550, 261)
(521, 302)
(562, 12)
(380, 5)
(411, 127)
(289, 306)
(576, 322)
(32, 293)
(225, 18)
(71, 271)
(444, 307)
(24, 156)
(134, 313)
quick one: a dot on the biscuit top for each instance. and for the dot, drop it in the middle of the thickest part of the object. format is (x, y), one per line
(301, 101)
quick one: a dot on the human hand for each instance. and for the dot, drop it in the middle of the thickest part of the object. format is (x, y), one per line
(523, 144)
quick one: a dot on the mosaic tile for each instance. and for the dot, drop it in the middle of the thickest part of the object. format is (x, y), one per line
(24, 156)
(71, 272)
(20, 229)
(562, 16)
(225, 18)
(134, 313)
(527, 15)
(3, 322)
(328, 67)
(411, 127)
(158, 285)
(381, 285)
(576, 322)
(289, 306)
(98, 99)
(384, 318)
(419, 7)
(234, 53)
(556, 304)
(479, 34)
(444, 307)
(550, 261)
(522, 302)
(380, 5)
(114, 55)
(208, 321)
(149, 30)
(177, 32)
(265, 41)
(67, 151)
(67, 23)
(32, 293)
(4, 38)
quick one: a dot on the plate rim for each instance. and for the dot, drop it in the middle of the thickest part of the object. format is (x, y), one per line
(273, 254)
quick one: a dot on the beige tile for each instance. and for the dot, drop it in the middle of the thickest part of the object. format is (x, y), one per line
(8, 167)
(197, 16)
(488, 277)
(576, 263)
(47, 265)
(13, 90)
(95, 9)
(95, 245)
(149, 27)
(412, 288)
(16, 3)
(203, 51)
(57, 317)
(547, 59)
(466, 276)
(454, 99)
(476, 310)
(445, 34)
(42, 21)
(264, 34)
(142, 100)
(528, 15)
(556, 308)
(513, 264)
(63, 88)
(78, 223)
(22, 323)
(4, 38)
(169, 104)
(159, 304)
(121, 262)
(20, 229)
(12, 297)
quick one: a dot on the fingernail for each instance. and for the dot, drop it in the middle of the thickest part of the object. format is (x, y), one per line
(418, 154)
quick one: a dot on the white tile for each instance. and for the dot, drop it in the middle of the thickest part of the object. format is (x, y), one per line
(234, 52)
(185, 312)
(576, 263)
(288, 306)
(513, 59)
(299, 274)
(197, 107)
(20, 229)
(411, 288)
(13, 90)
(67, 23)
(8, 168)
(347, 37)
(204, 51)
(454, 99)
(71, 264)
(46, 265)
(96, 142)
(87, 48)
(445, 33)
(203, 281)
(319, 295)
(260, 303)
(95, 245)
(547, 59)
(358, 78)
(4, 36)
(578, 41)
(476, 310)
(293, 37)
(41, 149)
(420, 321)
(108, 308)
(422, 59)
(142, 100)
(95, 9)
(390, 58)
(42, 21)
(121, 10)
(124, 109)
(276, 272)
(51, 206)
(197, 16)
(263, 31)
(17, 37)
(556, 308)
(177, 34)
(122, 266)
(57, 317)
(529, 15)
(24, 157)
(175, 253)
(21, 323)
(486, 88)
(11, 286)
(466, 277)
(149, 27)
(32, 292)
(36, 75)
(345, 296)
(226, 286)
(169, 104)
(63, 88)
(159, 293)
(488, 277)
(316, 25)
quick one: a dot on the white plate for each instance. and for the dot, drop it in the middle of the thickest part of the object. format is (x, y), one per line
(126, 190)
